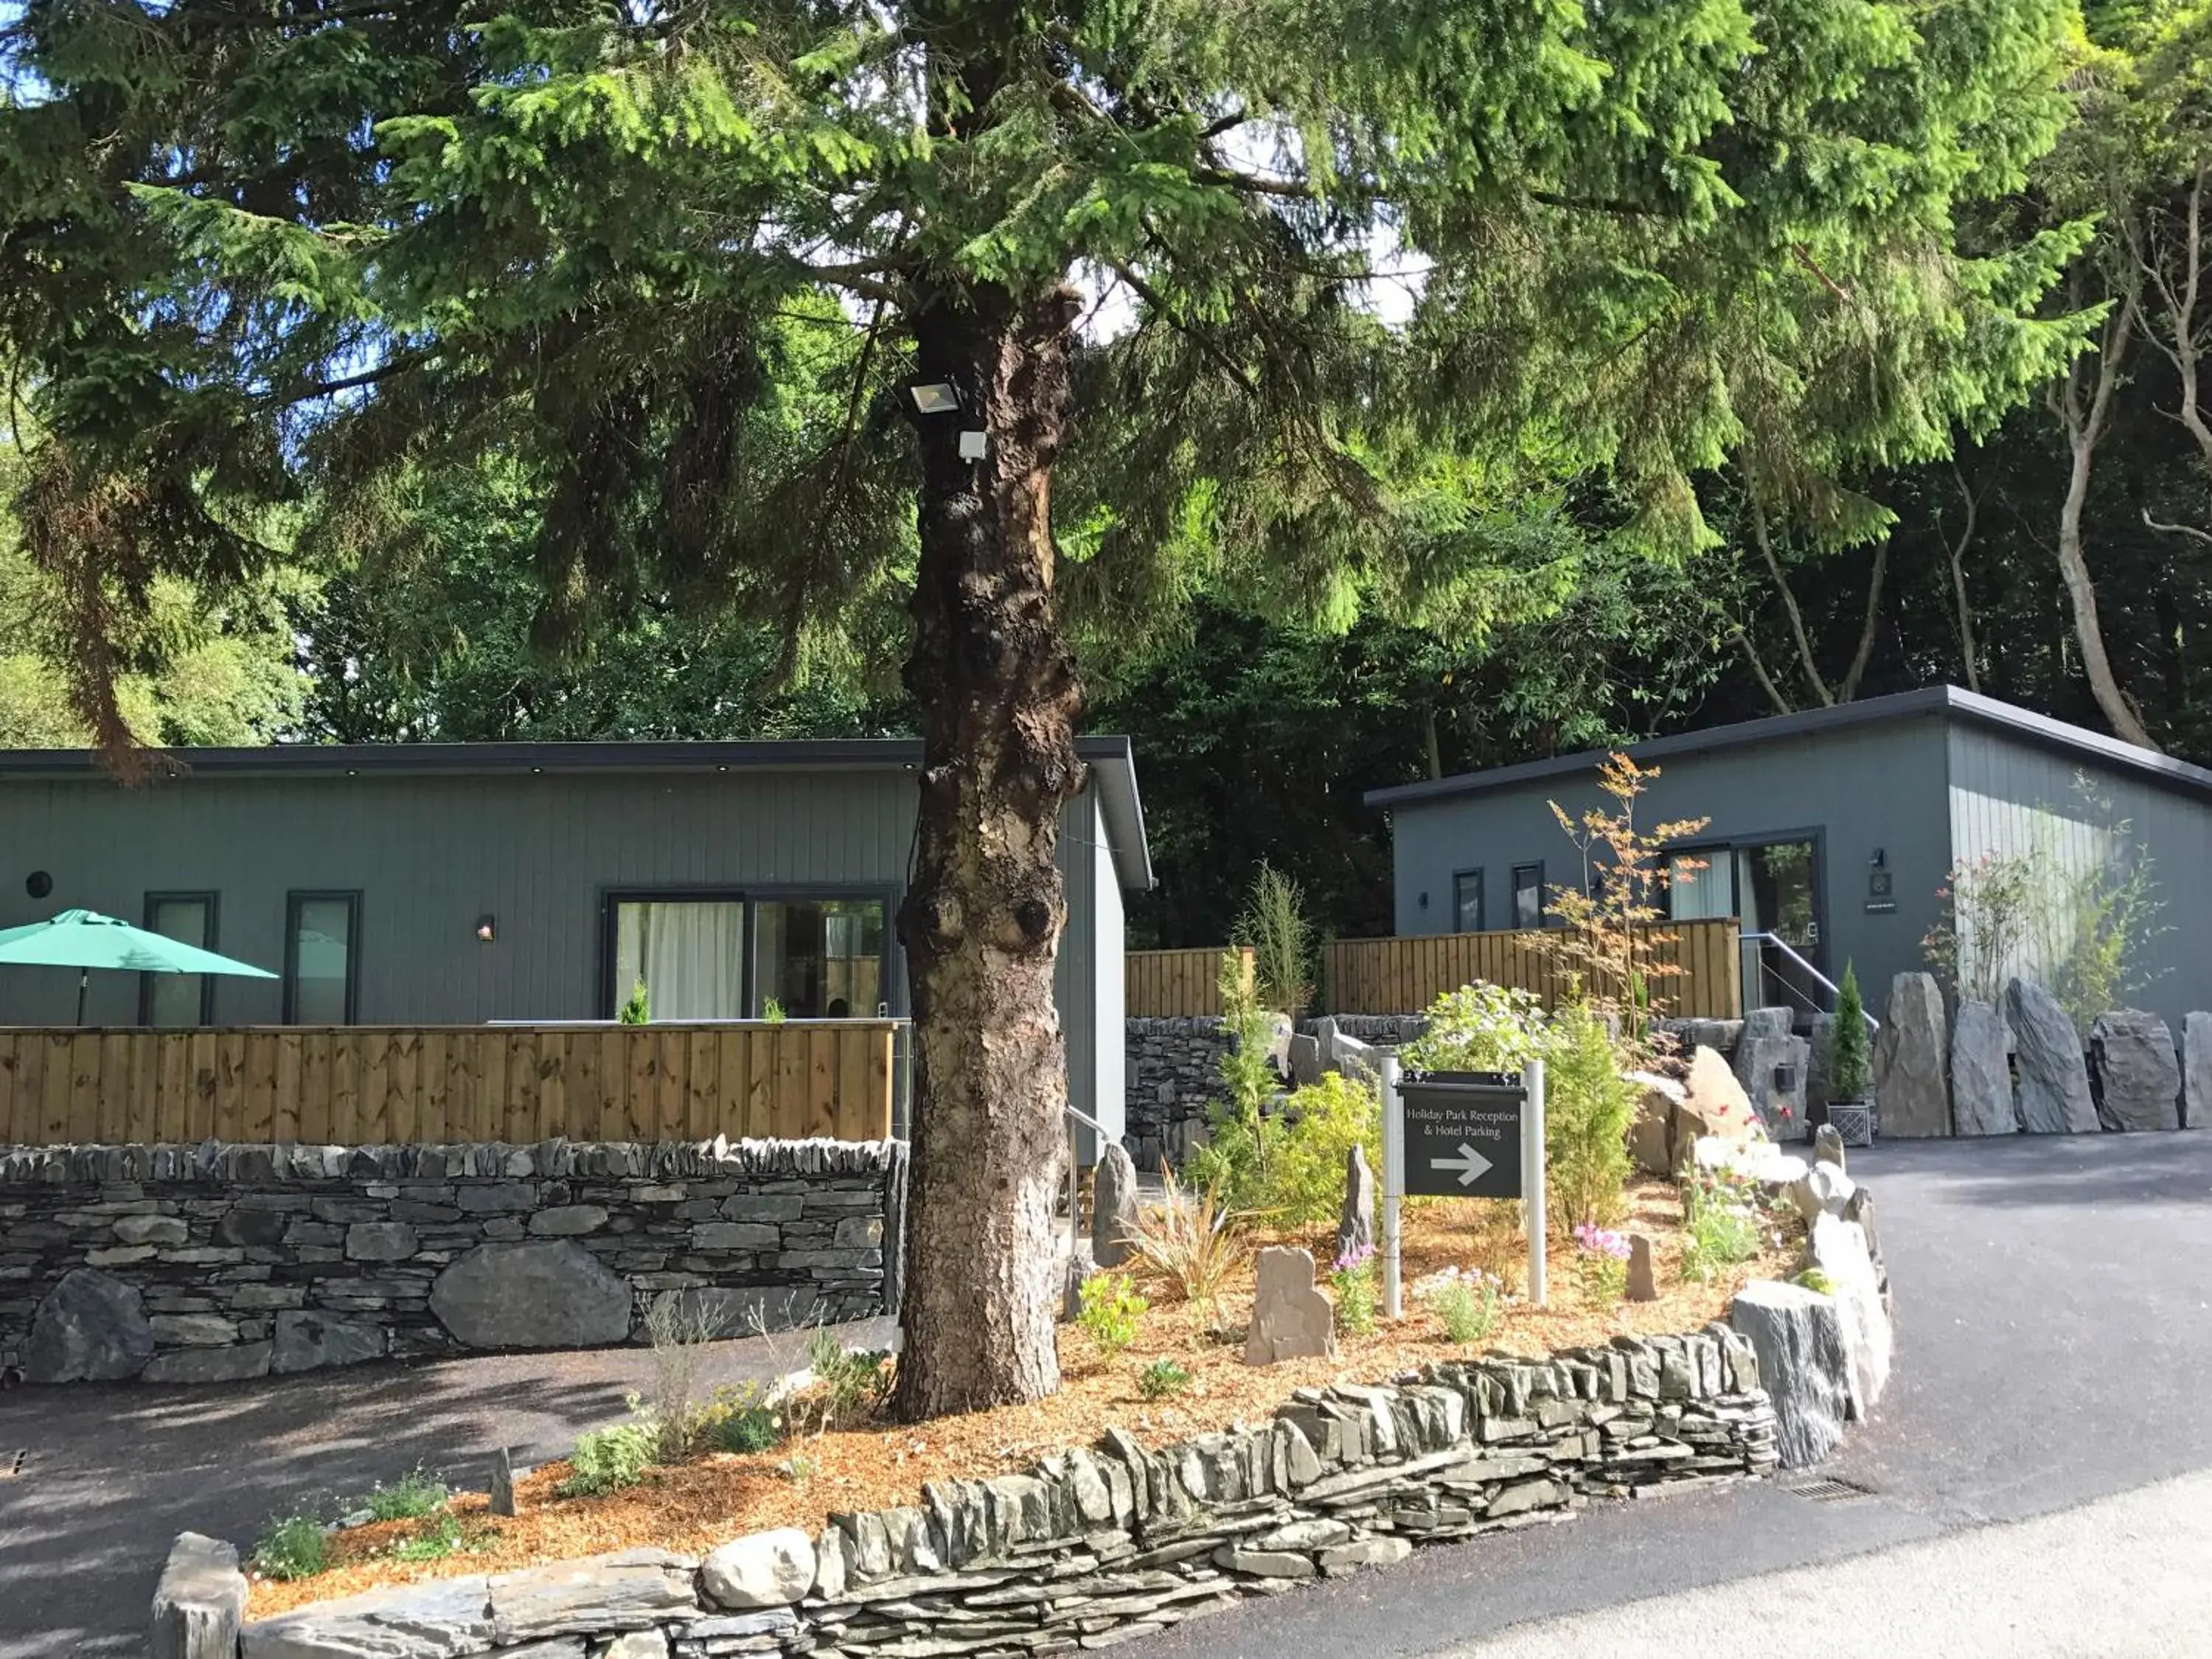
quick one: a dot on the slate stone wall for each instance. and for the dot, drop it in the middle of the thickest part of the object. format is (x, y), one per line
(1173, 1071)
(1099, 1545)
(184, 1264)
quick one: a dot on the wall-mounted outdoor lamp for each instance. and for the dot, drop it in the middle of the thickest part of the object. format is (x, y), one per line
(38, 883)
(1424, 900)
(487, 928)
(1878, 860)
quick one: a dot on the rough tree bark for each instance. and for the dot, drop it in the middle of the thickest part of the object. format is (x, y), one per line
(995, 682)
(2085, 422)
(1956, 551)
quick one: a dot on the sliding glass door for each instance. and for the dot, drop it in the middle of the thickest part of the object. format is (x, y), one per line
(1772, 888)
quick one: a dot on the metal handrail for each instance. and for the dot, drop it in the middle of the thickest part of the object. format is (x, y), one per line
(1075, 1172)
(1789, 950)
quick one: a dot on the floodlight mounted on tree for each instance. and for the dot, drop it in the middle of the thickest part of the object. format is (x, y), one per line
(933, 397)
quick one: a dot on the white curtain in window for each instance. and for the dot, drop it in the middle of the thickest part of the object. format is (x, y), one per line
(690, 954)
(1700, 895)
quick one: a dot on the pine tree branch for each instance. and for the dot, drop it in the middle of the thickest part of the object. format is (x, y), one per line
(1212, 349)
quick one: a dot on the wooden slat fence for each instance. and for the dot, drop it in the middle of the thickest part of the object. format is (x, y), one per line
(1405, 976)
(382, 1084)
(1166, 984)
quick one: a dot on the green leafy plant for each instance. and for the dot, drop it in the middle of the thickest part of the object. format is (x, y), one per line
(1479, 1028)
(1194, 1239)
(771, 1011)
(1273, 924)
(1850, 1076)
(1352, 1276)
(679, 1327)
(1723, 1225)
(748, 1429)
(848, 1381)
(1469, 1305)
(1163, 1379)
(1816, 1279)
(638, 1010)
(1242, 1135)
(1601, 1263)
(1109, 1308)
(413, 1495)
(1588, 1108)
(1318, 1126)
(290, 1546)
(607, 1460)
(441, 1538)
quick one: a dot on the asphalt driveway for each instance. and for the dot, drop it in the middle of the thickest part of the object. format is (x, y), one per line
(2053, 1342)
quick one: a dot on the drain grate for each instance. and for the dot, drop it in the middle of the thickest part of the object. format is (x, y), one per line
(1825, 1489)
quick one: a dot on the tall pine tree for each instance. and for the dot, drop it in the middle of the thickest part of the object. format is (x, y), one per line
(1298, 297)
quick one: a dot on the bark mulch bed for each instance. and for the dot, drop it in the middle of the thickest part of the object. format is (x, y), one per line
(695, 1505)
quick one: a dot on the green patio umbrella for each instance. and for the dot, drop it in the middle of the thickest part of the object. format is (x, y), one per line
(85, 939)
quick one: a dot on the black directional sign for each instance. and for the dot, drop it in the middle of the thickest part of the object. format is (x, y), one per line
(1462, 1133)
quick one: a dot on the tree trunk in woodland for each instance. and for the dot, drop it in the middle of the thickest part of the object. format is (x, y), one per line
(996, 686)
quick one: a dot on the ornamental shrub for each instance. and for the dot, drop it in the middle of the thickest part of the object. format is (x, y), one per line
(1319, 1125)
(1479, 1028)
(606, 1460)
(1353, 1278)
(1108, 1309)
(290, 1546)
(1588, 1108)
(1848, 1074)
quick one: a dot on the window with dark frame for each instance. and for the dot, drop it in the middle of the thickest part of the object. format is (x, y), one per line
(177, 1001)
(725, 954)
(1529, 894)
(322, 958)
(1467, 902)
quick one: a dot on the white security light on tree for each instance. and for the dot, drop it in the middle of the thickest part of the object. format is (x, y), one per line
(934, 397)
(974, 446)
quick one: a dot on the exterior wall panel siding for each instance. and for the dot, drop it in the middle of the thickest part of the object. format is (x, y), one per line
(1858, 789)
(431, 853)
(2007, 797)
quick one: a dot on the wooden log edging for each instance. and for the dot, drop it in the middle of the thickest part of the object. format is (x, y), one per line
(1116, 1540)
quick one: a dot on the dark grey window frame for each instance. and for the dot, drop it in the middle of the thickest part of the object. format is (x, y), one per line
(774, 892)
(1543, 909)
(293, 902)
(1704, 847)
(1481, 900)
(213, 899)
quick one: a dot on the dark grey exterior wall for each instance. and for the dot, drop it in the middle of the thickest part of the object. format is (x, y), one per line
(1857, 788)
(431, 853)
(2006, 796)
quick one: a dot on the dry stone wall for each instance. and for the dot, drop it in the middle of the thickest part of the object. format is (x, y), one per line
(214, 1263)
(1099, 1545)
(1173, 1070)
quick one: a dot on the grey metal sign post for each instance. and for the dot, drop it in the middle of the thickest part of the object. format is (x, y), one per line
(1462, 1135)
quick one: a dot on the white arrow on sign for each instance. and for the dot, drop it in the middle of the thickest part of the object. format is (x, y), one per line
(1470, 1165)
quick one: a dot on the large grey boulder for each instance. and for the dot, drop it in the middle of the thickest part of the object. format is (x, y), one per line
(445, 1619)
(542, 1294)
(2133, 1075)
(1839, 1249)
(200, 1602)
(1981, 1074)
(1652, 1136)
(764, 1570)
(2196, 1071)
(1355, 1219)
(1804, 1364)
(90, 1327)
(308, 1340)
(1909, 1090)
(2054, 1080)
(1113, 1202)
(1291, 1319)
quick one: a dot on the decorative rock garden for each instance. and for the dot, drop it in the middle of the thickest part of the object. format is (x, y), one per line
(218, 1263)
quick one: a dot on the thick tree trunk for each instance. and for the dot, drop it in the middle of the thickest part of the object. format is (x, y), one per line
(995, 682)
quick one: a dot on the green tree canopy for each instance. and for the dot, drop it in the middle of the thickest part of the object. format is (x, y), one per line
(250, 245)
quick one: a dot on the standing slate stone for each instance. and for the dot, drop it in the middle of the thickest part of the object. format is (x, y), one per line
(1804, 1364)
(1828, 1146)
(1981, 1075)
(200, 1602)
(1355, 1222)
(1643, 1270)
(1291, 1319)
(91, 1327)
(2132, 1075)
(500, 1498)
(1909, 1091)
(2054, 1081)
(2196, 1071)
(1113, 1207)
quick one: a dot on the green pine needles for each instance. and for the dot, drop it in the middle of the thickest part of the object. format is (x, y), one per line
(1850, 1076)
